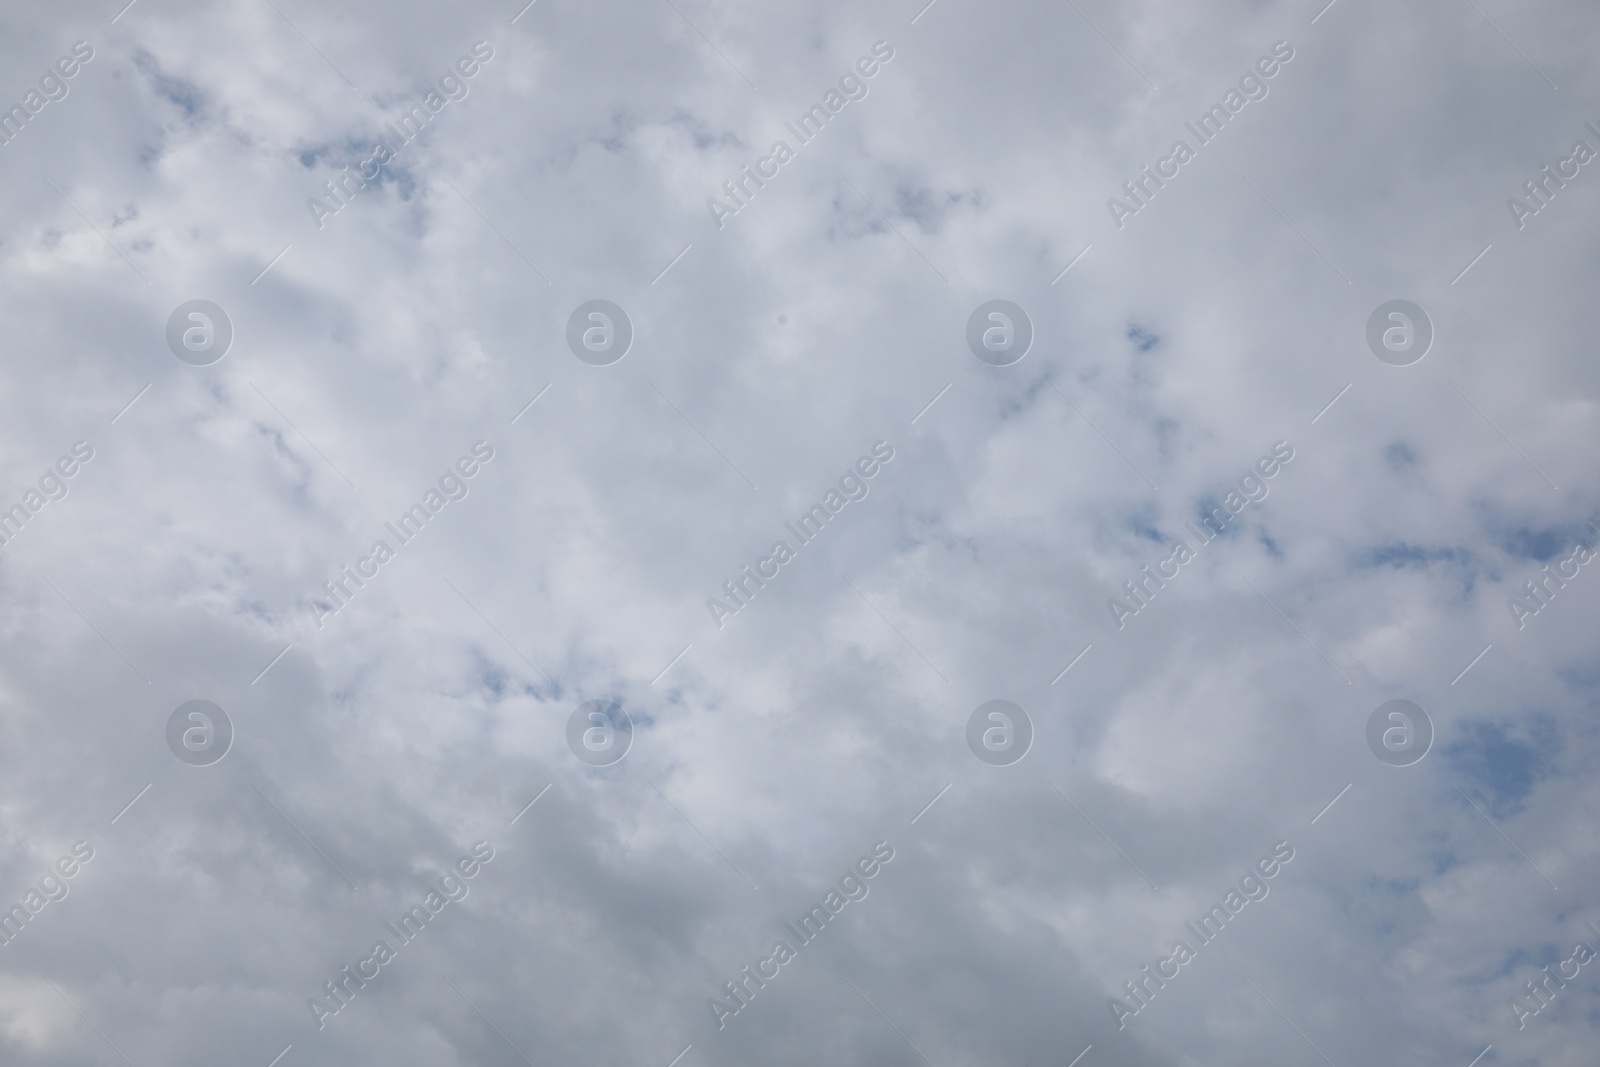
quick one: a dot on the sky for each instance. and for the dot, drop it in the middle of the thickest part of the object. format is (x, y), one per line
(581, 496)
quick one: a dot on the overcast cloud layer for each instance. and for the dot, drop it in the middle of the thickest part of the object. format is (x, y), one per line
(394, 351)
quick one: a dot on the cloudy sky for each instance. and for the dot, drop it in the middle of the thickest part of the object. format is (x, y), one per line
(178, 495)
